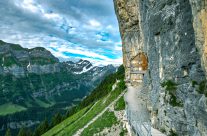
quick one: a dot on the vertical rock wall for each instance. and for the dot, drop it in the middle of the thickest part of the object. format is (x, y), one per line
(173, 35)
(199, 10)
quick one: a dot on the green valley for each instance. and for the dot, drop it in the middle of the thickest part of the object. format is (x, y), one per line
(35, 85)
(10, 108)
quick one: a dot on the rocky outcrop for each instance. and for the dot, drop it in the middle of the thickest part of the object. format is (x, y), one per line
(19, 61)
(38, 73)
(172, 34)
(199, 11)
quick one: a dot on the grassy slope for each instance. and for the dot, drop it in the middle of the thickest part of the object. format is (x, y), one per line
(44, 104)
(57, 129)
(106, 120)
(68, 128)
(92, 105)
(10, 108)
(120, 104)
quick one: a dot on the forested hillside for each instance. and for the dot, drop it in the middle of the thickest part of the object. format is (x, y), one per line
(34, 84)
(97, 113)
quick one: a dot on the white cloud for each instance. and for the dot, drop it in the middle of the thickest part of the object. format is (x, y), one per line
(52, 16)
(118, 61)
(58, 54)
(109, 27)
(27, 5)
(35, 8)
(94, 23)
(31, 23)
(118, 46)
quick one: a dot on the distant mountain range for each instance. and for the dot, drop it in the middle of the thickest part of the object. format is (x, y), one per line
(34, 78)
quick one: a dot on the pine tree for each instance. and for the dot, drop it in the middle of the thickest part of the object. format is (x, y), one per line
(29, 133)
(22, 132)
(56, 119)
(42, 128)
(8, 132)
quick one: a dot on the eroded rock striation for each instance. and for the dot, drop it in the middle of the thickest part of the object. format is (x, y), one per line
(173, 34)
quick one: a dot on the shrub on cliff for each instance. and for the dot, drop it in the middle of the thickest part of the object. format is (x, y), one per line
(171, 88)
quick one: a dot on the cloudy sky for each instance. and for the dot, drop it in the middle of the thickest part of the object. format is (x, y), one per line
(70, 29)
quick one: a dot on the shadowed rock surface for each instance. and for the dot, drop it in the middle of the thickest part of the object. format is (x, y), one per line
(172, 33)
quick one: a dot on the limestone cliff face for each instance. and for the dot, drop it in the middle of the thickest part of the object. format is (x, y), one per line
(173, 34)
(199, 11)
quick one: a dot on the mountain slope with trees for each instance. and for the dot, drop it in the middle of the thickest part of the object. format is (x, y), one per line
(34, 84)
(107, 99)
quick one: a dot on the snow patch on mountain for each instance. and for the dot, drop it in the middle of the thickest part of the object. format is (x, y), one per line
(85, 69)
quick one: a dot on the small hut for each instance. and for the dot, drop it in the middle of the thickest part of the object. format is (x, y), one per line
(139, 66)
